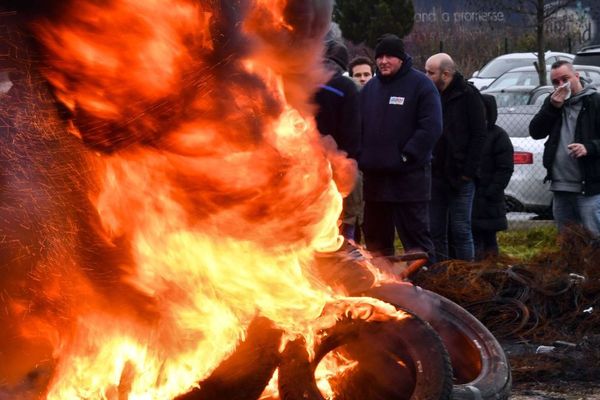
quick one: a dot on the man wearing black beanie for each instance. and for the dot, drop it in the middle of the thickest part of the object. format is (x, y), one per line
(402, 120)
(390, 45)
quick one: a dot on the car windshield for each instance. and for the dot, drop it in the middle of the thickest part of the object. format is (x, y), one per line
(530, 78)
(515, 78)
(506, 99)
(516, 122)
(497, 67)
(539, 98)
(587, 59)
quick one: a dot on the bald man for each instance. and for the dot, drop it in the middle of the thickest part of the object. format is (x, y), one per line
(456, 159)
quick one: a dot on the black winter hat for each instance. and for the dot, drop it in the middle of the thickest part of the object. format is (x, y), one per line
(338, 53)
(390, 45)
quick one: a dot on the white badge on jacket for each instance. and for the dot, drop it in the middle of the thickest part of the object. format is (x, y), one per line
(397, 101)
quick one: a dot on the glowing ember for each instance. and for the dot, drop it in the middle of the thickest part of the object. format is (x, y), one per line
(214, 189)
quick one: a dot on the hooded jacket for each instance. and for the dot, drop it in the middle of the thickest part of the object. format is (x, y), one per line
(548, 123)
(497, 165)
(338, 112)
(401, 122)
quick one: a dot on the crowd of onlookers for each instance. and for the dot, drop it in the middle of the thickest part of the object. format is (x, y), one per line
(433, 164)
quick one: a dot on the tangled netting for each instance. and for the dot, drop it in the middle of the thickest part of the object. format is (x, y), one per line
(554, 300)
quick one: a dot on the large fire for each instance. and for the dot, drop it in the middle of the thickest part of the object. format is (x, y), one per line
(212, 189)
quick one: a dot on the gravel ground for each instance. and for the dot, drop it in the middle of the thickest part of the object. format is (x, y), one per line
(556, 390)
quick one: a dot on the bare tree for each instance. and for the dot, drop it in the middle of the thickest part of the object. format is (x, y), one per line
(537, 12)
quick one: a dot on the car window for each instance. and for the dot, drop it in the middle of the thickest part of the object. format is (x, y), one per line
(508, 99)
(497, 67)
(592, 76)
(569, 58)
(506, 80)
(539, 98)
(529, 79)
(515, 124)
(587, 59)
(515, 78)
(551, 60)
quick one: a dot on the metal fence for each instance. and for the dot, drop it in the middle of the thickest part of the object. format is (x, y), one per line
(527, 192)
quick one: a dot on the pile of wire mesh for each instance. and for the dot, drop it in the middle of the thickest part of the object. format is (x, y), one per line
(546, 311)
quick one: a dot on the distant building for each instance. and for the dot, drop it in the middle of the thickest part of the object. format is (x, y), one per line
(578, 23)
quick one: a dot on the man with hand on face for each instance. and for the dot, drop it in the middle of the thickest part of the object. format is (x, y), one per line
(402, 120)
(570, 118)
(456, 159)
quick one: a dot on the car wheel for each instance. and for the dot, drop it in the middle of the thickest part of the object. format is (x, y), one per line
(513, 205)
(546, 214)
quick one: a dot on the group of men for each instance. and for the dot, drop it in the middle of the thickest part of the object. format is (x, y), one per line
(419, 141)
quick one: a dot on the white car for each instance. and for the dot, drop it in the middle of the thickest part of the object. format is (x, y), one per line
(499, 65)
(528, 76)
(526, 191)
(519, 95)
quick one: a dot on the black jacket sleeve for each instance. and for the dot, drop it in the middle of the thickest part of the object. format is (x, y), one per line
(478, 132)
(338, 113)
(502, 153)
(350, 124)
(429, 124)
(542, 123)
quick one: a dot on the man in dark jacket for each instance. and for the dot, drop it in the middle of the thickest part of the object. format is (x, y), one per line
(456, 159)
(402, 120)
(338, 115)
(497, 165)
(570, 118)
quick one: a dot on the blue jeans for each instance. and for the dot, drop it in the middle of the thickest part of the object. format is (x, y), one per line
(575, 208)
(450, 212)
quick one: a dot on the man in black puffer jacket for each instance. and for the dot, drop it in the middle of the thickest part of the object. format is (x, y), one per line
(497, 165)
(402, 120)
(456, 159)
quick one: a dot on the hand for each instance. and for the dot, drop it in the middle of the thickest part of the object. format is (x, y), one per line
(577, 150)
(560, 94)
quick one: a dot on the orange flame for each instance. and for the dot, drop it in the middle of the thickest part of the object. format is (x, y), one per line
(215, 189)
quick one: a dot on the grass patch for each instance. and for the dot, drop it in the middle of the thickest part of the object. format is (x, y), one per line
(522, 244)
(525, 244)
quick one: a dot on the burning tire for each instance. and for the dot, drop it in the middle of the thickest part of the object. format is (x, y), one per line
(402, 359)
(244, 375)
(481, 369)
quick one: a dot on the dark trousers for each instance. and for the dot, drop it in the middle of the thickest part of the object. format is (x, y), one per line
(409, 219)
(485, 243)
(451, 213)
